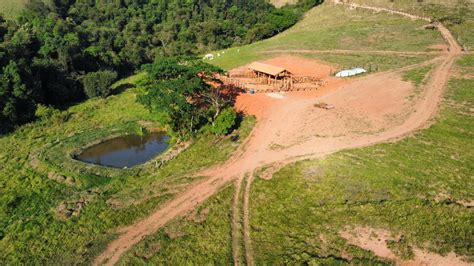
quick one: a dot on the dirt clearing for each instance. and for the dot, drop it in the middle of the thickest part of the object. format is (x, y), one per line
(301, 66)
(260, 104)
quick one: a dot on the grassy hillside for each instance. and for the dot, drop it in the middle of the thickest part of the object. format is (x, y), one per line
(337, 27)
(11, 8)
(449, 12)
(35, 222)
(201, 238)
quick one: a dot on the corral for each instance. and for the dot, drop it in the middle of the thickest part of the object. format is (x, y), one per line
(273, 77)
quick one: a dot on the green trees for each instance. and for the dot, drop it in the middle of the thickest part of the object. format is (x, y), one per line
(17, 99)
(97, 84)
(184, 94)
(224, 122)
(60, 41)
(281, 19)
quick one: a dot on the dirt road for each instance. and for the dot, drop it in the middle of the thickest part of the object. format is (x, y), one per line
(369, 110)
(339, 51)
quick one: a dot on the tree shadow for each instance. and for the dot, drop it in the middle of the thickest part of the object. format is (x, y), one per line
(122, 88)
(230, 93)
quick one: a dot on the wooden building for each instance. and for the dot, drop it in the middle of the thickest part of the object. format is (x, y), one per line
(263, 70)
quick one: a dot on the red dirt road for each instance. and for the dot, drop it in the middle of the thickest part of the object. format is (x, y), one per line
(369, 110)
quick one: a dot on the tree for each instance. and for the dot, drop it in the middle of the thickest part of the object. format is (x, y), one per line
(3, 28)
(280, 20)
(97, 84)
(177, 89)
(224, 122)
(17, 98)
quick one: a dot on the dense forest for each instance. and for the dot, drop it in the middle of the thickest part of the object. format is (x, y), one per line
(54, 49)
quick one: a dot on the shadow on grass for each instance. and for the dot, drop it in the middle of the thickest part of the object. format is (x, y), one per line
(121, 88)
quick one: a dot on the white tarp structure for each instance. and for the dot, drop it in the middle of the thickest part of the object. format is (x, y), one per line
(350, 72)
(208, 57)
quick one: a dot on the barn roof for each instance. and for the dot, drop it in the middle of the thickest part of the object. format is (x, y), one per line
(267, 69)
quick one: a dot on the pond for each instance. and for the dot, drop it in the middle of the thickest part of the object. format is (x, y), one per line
(126, 151)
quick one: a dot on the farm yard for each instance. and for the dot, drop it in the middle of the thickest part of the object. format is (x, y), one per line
(264, 77)
(373, 169)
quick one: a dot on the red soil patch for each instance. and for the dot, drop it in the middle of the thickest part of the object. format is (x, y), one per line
(259, 104)
(301, 66)
(370, 239)
(439, 47)
(376, 240)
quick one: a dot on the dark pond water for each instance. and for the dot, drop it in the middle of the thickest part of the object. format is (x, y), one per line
(126, 151)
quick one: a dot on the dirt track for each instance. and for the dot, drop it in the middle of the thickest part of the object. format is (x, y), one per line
(339, 51)
(369, 110)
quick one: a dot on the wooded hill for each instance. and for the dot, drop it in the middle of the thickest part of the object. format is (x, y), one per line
(46, 53)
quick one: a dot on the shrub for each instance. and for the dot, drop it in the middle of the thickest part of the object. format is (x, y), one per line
(97, 84)
(44, 112)
(49, 114)
(224, 122)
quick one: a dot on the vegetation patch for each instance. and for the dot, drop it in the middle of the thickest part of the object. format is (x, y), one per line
(203, 237)
(11, 8)
(418, 75)
(457, 15)
(369, 62)
(467, 61)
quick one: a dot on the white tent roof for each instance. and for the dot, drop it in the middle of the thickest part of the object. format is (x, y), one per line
(350, 72)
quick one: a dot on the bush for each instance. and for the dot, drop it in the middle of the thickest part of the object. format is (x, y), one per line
(97, 84)
(49, 114)
(224, 122)
(44, 112)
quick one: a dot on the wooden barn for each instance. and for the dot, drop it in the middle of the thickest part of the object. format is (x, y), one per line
(263, 70)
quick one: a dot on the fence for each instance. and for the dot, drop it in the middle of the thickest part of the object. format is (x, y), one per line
(248, 80)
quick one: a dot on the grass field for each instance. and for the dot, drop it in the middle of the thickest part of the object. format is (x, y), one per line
(10, 8)
(201, 238)
(418, 75)
(464, 31)
(33, 226)
(336, 27)
(414, 187)
(376, 62)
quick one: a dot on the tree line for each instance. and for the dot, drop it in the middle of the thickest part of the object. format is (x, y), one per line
(58, 52)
